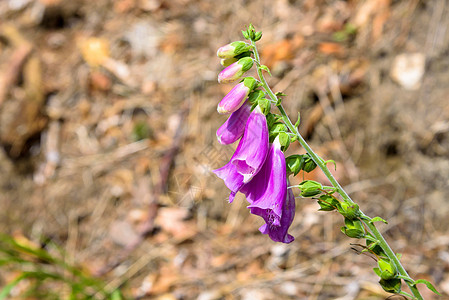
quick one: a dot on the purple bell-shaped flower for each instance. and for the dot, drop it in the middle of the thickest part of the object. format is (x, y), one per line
(268, 196)
(234, 126)
(249, 156)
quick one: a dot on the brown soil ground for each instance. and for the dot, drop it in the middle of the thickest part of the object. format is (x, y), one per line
(107, 126)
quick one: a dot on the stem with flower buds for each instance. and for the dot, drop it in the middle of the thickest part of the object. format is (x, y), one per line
(319, 162)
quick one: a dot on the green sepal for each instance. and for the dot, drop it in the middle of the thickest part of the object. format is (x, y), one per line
(349, 210)
(353, 229)
(257, 36)
(377, 271)
(275, 129)
(327, 203)
(250, 82)
(228, 61)
(284, 140)
(244, 54)
(387, 268)
(240, 47)
(272, 119)
(391, 285)
(375, 248)
(265, 105)
(294, 163)
(246, 63)
(255, 95)
(310, 188)
(309, 164)
(352, 233)
(245, 34)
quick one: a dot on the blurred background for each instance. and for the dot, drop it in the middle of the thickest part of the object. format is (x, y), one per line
(107, 142)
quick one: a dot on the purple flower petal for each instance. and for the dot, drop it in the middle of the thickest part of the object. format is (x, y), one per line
(235, 70)
(234, 99)
(280, 233)
(249, 158)
(232, 179)
(234, 126)
(266, 191)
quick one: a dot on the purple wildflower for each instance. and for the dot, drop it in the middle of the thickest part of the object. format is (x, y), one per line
(268, 196)
(235, 70)
(233, 49)
(249, 156)
(234, 126)
(236, 97)
(280, 233)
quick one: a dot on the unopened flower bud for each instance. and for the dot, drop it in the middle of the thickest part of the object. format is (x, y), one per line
(236, 97)
(228, 61)
(233, 49)
(349, 210)
(235, 70)
(387, 269)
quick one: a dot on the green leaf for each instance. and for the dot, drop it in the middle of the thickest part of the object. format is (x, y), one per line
(378, 219)
(377, 271)
(298, 120)
(265, 68)
(7, 288)
(428, 284)
(116, 295)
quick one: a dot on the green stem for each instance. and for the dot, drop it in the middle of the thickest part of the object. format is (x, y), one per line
(320, 163)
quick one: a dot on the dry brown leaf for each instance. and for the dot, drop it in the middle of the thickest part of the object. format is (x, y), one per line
(282, 50)
(331, 48)
(172, 220)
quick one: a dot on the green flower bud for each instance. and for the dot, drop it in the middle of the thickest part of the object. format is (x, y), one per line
(327, 203)
(310, 188)
(387, 269)
(348, 210)
(233, 49)
(391, 285)
(309, 164)
(353, 229)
